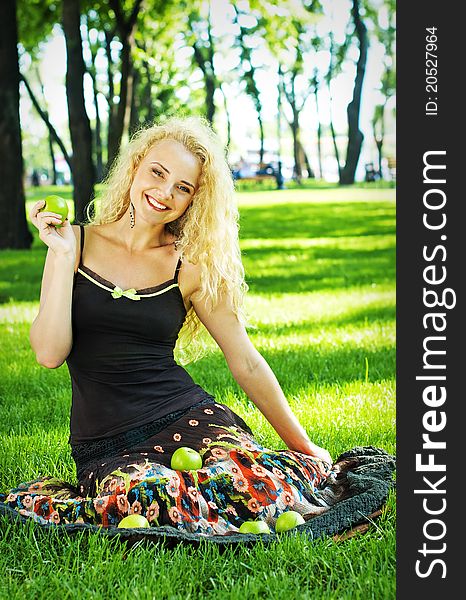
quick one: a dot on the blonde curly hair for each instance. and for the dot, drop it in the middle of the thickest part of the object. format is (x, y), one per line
(206, 234)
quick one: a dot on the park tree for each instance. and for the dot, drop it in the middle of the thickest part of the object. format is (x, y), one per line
(291, 39)
(356, 38)
(135, 39)
(93, 42)
(101, 45)
(119, 115)
(41, 17)
(355, 135)
(16, 233)
(337, 55)
(199, 37)
(80, 129)
(35, 22)
(383, 18)
(35, 25)
(50, 137)
(43, 114)
(249, 70)
(157, 78)
(315, 82)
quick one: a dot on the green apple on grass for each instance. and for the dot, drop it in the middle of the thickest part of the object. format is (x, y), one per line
(254, 527)
(56, 204)
(186, 459)
(288, 520)
(134, 521)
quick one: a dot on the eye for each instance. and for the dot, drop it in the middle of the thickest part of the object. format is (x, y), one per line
(183, 188)
(156, 172)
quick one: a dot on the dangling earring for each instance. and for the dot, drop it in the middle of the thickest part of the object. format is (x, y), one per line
(131, 214)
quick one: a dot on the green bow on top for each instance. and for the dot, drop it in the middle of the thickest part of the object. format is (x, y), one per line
(131, 294)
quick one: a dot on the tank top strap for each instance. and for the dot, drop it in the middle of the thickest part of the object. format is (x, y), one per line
(82, 245)
(177, 270)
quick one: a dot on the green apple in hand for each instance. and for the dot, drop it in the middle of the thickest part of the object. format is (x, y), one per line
(186, 459)
(254, 527)
(134, 521)
(288, 520)
(56, 204)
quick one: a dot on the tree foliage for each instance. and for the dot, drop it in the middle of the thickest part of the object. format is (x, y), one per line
(149, 59)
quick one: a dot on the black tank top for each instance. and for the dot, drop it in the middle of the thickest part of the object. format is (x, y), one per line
(123, 371)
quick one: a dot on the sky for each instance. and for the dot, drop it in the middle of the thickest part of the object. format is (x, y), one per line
(245, 138)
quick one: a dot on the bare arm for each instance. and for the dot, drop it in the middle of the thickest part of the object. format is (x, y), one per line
(253, 374)
(51, 333)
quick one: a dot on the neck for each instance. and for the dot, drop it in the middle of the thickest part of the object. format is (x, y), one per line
(141, 237)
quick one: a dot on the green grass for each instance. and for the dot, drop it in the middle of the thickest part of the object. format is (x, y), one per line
(320, 264)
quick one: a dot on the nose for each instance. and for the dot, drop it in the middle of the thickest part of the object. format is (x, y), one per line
(164, 189)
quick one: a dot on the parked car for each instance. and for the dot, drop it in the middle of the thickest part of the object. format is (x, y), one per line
(268, 169)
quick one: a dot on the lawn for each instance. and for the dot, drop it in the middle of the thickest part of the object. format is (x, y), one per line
(320, 264)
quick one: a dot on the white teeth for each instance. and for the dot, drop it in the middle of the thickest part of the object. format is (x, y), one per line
(154, 202)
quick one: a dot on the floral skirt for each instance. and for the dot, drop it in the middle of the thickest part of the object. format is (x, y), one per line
(240, 479)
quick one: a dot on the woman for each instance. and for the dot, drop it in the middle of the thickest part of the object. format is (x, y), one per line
(161, 256)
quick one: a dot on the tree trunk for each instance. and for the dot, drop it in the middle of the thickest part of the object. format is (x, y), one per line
(305, 161)
(298, 173)
(227, 114)
(147, 95)
(319, 150)
(262, 137)
(334, 140)
(251, 87)
(52, 161)
(80, 127)
(116, 113)
(355, 135)
(126, 27)
(319, 128)
(206, 64)
(328, 79)
(15, 231)
(379, 137)
(44, 116)
(97, 134)
(121, 120)
(135, 112)
(111, 93)
(50, 140)
(209, 95)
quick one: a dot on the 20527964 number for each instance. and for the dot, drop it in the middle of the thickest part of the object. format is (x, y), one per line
(431, 67)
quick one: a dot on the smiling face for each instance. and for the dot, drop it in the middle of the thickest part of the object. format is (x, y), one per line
(165, 182)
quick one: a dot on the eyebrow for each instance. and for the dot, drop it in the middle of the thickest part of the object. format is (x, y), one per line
(154, 162)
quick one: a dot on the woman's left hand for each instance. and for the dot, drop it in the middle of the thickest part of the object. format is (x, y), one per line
(315, 451)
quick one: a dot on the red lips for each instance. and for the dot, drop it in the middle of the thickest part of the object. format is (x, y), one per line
(151, 204)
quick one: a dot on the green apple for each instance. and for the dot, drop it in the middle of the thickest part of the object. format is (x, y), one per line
(254, 527)
(134, 521)
(186, 459)
(56, 204)
(288, 520)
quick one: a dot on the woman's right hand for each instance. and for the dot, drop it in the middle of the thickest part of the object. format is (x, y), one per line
(61, 240)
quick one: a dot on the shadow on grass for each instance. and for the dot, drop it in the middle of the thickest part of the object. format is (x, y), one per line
(316, 220)
(21, 274)
(381, 314)
(298, 367)
(278, 270)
